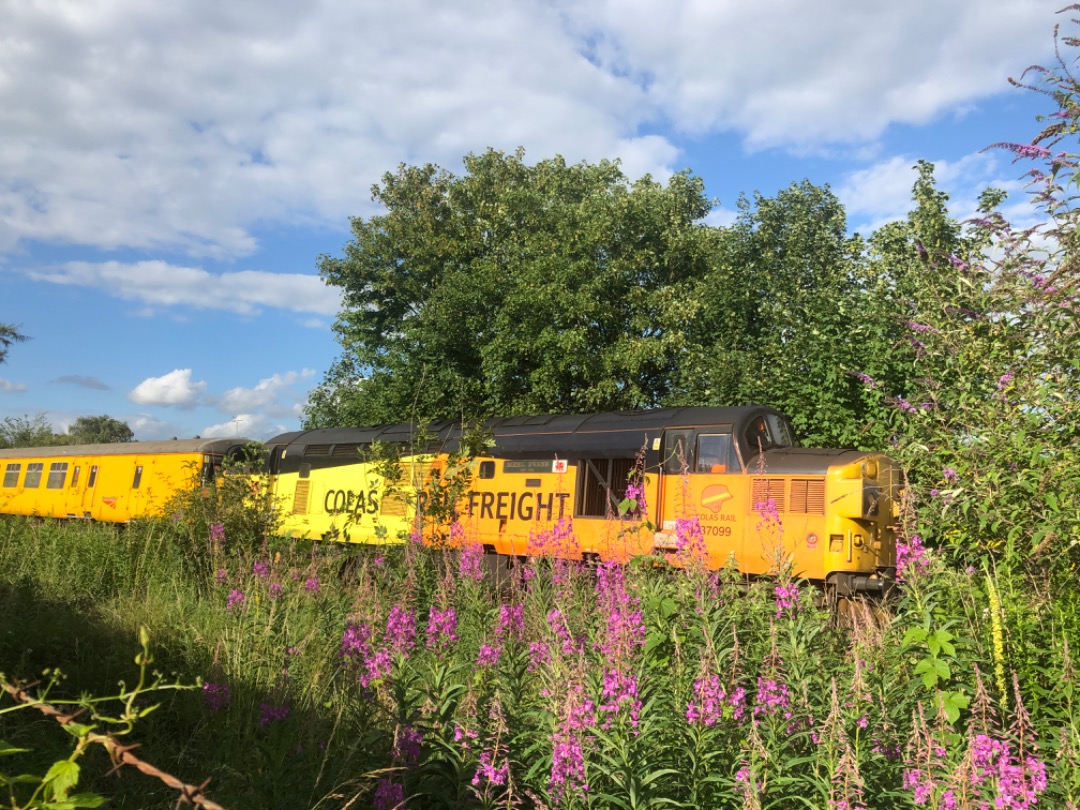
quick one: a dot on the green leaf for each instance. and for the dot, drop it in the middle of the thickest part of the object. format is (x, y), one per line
(61, 778)
(6, 749)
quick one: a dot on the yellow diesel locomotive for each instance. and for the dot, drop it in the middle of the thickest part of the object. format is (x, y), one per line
(727, 484)
(108, 482)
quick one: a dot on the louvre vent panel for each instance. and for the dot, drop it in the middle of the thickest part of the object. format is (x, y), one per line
(301, 497)
(808, 496)
(317, 450)
(349, 450)
(420, 473)
(394, 505)
(762, 489)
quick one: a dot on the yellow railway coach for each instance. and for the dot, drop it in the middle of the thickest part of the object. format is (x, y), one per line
(108, 482)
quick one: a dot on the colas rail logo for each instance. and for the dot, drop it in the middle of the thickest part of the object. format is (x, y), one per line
(714, 496)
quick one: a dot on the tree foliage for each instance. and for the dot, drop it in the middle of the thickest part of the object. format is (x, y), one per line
(28, 431)
(9, 335)
(99, 430)
(513, 289)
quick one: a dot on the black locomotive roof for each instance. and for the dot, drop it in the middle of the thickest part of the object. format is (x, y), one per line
(618, 433)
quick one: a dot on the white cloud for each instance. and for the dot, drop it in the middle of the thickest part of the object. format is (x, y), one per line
(160, 284)
(175, 388)
(148, 125)
(8, 387)
(265, 395)
(250, 425)
(883, 192)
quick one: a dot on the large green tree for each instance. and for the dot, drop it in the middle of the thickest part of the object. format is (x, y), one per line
(99, 430)
(28, 431)
(513, 289)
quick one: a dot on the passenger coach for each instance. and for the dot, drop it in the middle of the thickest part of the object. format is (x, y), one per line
(109, 482)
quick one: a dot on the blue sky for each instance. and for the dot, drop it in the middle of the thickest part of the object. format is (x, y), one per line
(170, 173)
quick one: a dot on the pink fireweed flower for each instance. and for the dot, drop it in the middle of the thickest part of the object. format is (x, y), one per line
(216, 696)
(911, 557)
(787, 599)
(222, 576)
(389, 795)
(311, 585)
(471, 561)
(407, 745)
(773, 698)
(401, 630)
(268, 713)
(217, 535)
(441, 628)
(488, 657)
(689, 539)
(487, 774)
(539, 656)
(706, 707)
(557, 540)
(620, 691)
(236, 597)
(275, 591)
(511, 622)
(261, 569)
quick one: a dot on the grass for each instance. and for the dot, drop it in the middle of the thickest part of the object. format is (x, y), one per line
(353, 677)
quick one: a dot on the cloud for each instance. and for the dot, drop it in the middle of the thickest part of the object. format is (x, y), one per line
(184, 126)
(882, 192)
(160, 284)
(265, 395)
(250, 425)
(8, 387)
(175, 388)
(81, 381)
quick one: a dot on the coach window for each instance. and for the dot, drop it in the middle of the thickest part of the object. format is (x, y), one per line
(57, 474)
(33, 475)
(75, 476)
(93, 477)
(138, 477)
(714, 454)
(11, 475)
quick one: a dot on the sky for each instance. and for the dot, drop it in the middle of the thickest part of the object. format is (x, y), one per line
(170, 173)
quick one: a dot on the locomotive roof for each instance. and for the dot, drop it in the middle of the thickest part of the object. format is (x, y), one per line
(126, 448)
(617, 432)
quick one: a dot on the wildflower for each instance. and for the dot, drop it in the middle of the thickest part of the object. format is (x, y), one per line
(911, 557)
(401, 630)
(619, 691)
(487, 774)
(489, 656)
(407, 745)
(787, 599)
(471, 562)
(511, 621)
(689, 538)
(216, 696)
(217, 535)
(441, 628)
(389, 795)
(261, 569)
(236, 597)
(275, 591)
(222, 576)
(378, 561)
(311, 585)
(706, 708)
(865, 379)
(950, 474)
(922, 328)
(269, 713)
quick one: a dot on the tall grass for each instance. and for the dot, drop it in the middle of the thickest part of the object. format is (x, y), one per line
(355, 677)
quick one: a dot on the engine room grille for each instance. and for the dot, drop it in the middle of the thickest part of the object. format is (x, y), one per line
(808, 496)
(352, 450)
(301, 497)
(762, 489)
(394, 505)
(317, 450)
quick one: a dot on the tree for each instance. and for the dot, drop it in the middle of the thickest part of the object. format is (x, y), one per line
(26, 431)
(9, 335)
(99, 430)
(513, 290)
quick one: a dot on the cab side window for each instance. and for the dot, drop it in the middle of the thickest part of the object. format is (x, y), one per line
(715, 454)
(11, 475)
